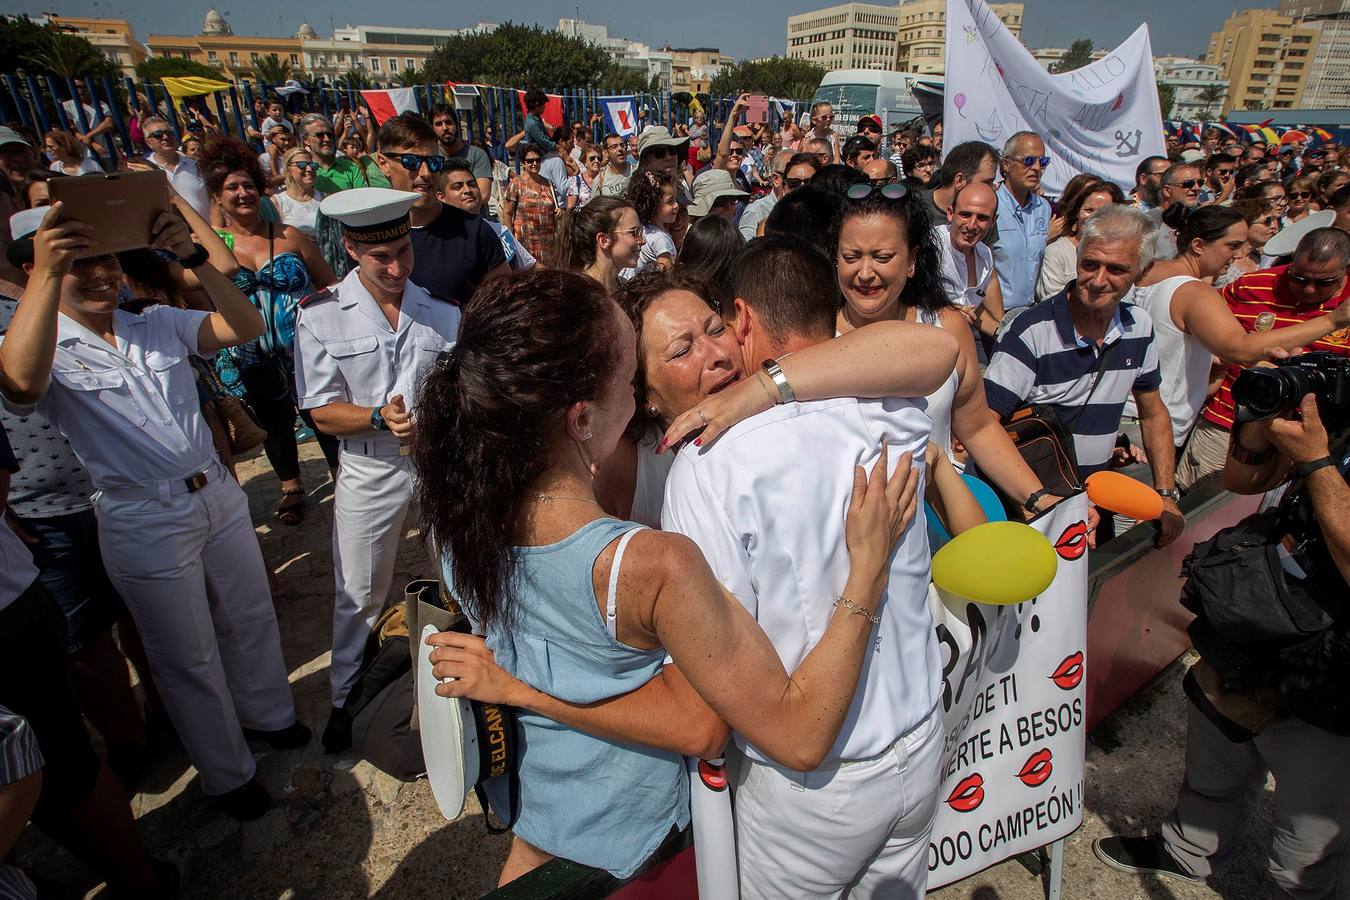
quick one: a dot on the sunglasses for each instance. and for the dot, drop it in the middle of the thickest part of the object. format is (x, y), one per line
(1300, 195)
(794, 183)
(736, 151)
(1188, 184)
(1029, 162)
(304, 165)
(889, 191)
(160, 135)
(1269, 221)
(1224, 173)
(828, 118)
(631, 232)
(532, 161)
(660, 152)
(321, 135)
(413, 162)
(1304, 281)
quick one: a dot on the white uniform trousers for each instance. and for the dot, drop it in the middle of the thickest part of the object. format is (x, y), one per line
(370, 506)
(853, 828)
(193, 576)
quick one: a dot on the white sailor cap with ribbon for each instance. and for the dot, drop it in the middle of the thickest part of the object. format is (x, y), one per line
(371, 215)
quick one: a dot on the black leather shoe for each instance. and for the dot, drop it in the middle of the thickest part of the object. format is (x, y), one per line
(1141, 855)
(288, 738)
(248, 801)
(337, 736)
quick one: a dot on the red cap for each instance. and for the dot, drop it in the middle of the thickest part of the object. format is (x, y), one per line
(875, 120)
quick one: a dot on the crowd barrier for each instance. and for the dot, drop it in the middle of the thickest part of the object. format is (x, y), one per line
(491, 116)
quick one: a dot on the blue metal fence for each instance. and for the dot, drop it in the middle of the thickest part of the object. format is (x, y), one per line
(43, 103)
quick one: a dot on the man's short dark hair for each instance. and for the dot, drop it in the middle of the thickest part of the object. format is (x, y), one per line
(1219, 159)
(789, 284)
(920, 154)
(1145, 167)
(1322, 244)
(534, 98)
(611, 136)
(856, 145)
(1250, 172)
(965, 159)
(445, 109)
(804, 159)
(456, 164)
(806, 214)
(405, 130)
(1340, 198)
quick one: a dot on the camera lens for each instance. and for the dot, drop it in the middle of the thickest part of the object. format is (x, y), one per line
(1262, 393)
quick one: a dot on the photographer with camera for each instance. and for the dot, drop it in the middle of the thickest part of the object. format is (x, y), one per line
(1305, 294)
(1269, 693)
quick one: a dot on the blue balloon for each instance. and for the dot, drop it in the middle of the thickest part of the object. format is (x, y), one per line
(988, 500)
(938, 536)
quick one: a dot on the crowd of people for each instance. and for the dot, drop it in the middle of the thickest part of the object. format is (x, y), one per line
(664, 406)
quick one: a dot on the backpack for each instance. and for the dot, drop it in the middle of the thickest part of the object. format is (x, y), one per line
(1261, 628)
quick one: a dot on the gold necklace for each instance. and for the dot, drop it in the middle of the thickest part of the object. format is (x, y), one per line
(549, 497)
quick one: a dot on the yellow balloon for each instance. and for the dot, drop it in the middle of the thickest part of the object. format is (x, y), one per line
(997, 562)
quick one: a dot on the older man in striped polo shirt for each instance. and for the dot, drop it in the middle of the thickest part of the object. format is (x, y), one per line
(1084, 351)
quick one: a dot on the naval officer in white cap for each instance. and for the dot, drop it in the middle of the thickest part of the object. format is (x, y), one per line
(360, 349)
(175, 529)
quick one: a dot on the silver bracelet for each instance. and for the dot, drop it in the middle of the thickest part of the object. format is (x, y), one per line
(779, 379)
(858, 608)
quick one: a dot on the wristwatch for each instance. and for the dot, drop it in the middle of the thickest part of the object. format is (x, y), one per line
(1307, 468)
(377, 421)
(1169, 493)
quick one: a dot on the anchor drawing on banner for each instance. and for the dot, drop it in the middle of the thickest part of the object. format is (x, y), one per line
(1124, 147)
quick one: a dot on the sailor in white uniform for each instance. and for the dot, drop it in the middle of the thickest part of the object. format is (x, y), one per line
(360, 349)
(177, 537)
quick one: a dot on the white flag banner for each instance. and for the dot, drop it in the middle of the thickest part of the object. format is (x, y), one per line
(1014, 698)
(1102, 119)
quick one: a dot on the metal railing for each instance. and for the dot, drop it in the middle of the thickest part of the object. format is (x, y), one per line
(41, 103)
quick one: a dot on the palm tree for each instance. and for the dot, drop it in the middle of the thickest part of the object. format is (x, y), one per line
(272, 69)
(61, 54)
(411, 78)
(354, 79)
(1210, 96)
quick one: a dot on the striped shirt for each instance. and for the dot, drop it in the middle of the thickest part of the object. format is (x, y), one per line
(1041, 358)
(1260, 301)
(19, 758)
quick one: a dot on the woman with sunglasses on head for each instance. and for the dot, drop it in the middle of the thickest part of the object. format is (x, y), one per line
(889, 269)
(599, 239)
(298, 204)
(278, 267)
(530, 208)
(1263, 223)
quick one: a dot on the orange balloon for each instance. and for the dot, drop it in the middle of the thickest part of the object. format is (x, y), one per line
(1122, 494)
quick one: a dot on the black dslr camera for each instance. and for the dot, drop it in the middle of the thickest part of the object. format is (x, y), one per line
(1263, 393)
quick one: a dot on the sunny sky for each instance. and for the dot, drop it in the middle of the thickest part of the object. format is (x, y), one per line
(755, 28)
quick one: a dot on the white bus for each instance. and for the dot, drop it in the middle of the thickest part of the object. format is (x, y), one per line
(860, 92)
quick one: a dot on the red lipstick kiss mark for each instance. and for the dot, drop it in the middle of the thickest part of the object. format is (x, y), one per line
(1069, 673)
(1036, 769)
(714, 775)
(1073, 542)
(967, 795)
(1120, 98)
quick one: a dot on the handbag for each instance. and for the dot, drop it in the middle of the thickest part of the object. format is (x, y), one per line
(1046, 443)
(241, 424)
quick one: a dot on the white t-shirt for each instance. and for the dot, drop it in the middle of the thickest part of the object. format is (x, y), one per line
(658, 244)
(298, 213)
(1183, 361)
(87, 166)
(956, 273)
